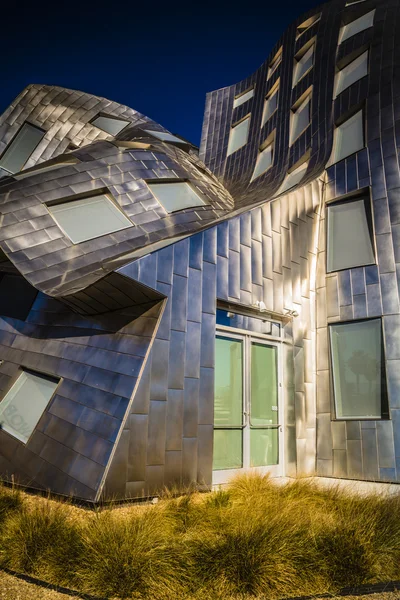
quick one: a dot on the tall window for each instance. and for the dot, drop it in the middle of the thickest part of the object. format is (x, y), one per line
(358, 370)
(360, 24)
(243, 97)
(300, 119)
(348, 137)
(22, 407)
(303, 65)
(21, 147)
(264, 159)
(111, 125)
(270, 104)
(354, 71)
(275, 62)
(89, 218)
(175, 196)
(350, 235)
(238, 135)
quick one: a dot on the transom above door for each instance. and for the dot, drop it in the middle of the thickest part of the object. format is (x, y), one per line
(247, 415)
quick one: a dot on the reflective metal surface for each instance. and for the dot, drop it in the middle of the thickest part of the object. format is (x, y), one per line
(127, 320)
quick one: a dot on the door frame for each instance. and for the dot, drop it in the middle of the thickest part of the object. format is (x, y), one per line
(222, 476)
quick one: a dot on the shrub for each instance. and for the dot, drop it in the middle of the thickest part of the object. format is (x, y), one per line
(10, 501)
(131, 556)
(43, 541)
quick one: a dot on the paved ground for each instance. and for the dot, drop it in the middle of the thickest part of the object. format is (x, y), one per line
(12, 588)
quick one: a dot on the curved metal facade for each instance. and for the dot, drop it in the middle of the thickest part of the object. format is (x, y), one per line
(128, 320)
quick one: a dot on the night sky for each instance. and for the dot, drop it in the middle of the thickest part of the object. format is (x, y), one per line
(158, 58)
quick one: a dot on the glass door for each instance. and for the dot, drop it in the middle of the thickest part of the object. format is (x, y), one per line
(246, 409)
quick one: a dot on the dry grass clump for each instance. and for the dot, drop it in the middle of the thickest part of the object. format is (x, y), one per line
(254, 539)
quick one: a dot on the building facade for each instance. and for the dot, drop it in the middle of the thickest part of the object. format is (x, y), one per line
(170, 317)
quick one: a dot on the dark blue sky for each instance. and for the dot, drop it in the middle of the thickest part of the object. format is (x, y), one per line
(158, 58)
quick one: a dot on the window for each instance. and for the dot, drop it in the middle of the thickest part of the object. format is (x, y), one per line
(89, 218)
(348, 138)
(358, 370)
(238, 135)
(354, 71)
(276, 61)
(110, 125)
(20, 148)
(303, 65)
(70, 160)
(307, 24)
(293, 178)
(243, 97)
(165, 137)
(175, 195)
(350, 235)
(356, 26)
(300, 119)
(16, 296)
(264, 160)
(271, 104)
(22, 407)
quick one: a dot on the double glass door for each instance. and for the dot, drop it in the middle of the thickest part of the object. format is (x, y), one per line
(246, 406)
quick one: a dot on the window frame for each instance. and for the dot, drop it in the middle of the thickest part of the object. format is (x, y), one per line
(310, 45)
(332, 159)
(344, 25)
(111, 117)
(305, 99)
(274, 62)
(269, 142)
(242, 94)
(366, 197)
(233, 126)
(385, 408)
(274, 91)
(87, 196)
(206, 202)
(311, 20)
(8, 146)
(336, 94)
(45, 375)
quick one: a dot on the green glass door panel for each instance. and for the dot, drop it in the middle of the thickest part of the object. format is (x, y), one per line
(228, 404)
(264, 447)
(264, 385)
(228, 451)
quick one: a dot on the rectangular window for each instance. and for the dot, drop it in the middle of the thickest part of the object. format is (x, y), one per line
(358, 370)
(165, 137)
(111, 125)
(303, 65)
(21, 148)
(350, 235)
(271, 104)
(348, 138)
(354, 71)
(275, 62)
(292, 179)
(264, 160)
(300, 119)
(238, 135)
(175, 196)
(242, 98)
(228, 406)
(22, 407)
(360, 24)
(89, 218)
(302, 28)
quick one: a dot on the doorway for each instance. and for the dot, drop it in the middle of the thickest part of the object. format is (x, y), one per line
(247, 406)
